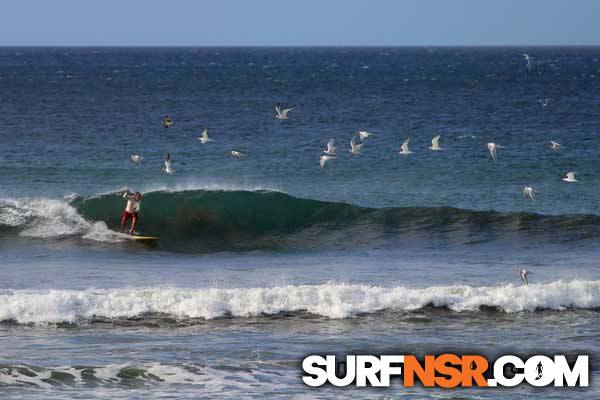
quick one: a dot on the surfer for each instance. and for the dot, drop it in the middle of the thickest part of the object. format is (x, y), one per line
(131, 210)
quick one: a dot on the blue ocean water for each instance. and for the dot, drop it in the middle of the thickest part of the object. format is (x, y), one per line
(270, 258)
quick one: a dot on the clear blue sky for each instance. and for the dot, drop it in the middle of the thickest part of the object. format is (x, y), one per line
(299, 22)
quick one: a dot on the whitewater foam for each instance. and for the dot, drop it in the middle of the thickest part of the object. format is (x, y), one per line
(329, 300)
(212, 380)
(51, 218)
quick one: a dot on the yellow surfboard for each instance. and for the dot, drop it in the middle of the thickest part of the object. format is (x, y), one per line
(143, 238)
(139, 238)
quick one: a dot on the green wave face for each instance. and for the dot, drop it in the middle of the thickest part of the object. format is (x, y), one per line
(209, 220)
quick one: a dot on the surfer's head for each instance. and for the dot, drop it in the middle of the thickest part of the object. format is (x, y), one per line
(138, 196)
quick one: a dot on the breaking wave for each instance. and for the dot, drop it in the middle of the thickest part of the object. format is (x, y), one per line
(49, 219)
(239, 220)
(327, 300)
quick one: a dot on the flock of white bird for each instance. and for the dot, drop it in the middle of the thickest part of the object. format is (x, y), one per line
(355, 148)
(203, 138)
(281, 113)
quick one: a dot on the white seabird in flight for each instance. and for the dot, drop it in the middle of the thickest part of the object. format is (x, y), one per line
(355, 147)
(204, 137)
(281, 113)
(529, 59)
(528, 191)
(523, 273)
(570, 177)
(236, 154)
(330, 148)
(404, 148)
(136, 159)
(493, 147)
(555, 145)
(324, 159)
(435, 143)
(364, 134)
(168, 169)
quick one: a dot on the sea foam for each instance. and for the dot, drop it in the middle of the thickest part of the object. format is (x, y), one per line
(51, 218)
(212, 381)
(333, 300)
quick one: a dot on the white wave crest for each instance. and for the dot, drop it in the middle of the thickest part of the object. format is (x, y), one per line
(49, 218)
(208, 185)
(329, 300)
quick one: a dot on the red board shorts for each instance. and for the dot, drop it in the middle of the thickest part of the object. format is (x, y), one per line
(126, 216)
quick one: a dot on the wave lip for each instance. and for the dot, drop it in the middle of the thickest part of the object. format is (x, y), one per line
(332, 300)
